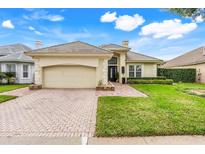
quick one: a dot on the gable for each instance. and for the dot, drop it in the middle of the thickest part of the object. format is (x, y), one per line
(71, 48)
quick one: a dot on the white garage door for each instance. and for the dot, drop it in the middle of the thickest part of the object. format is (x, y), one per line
(69, 77)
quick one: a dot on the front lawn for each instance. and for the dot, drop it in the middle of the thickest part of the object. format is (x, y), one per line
(4, 88)
(167, 111)
(4, 98)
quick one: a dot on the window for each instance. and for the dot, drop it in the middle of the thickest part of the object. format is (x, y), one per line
(25, 71)
(10, 68)
(113, 61)
(138, 71)
(131, 71)
(135, 71)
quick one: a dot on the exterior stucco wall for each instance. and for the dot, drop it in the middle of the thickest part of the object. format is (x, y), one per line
(200, 69)
(99, 63)
(19, 71)
(148, 69)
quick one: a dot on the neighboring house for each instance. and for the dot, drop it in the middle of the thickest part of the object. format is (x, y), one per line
(193, 59)
(81, 65)
(13, 59)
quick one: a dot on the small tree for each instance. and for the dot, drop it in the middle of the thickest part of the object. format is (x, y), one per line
(10, 76)
(2, 76)
(194, 13)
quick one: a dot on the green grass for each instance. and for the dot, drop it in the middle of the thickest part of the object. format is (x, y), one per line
(167, 111)
(4, 98)
(4, 88)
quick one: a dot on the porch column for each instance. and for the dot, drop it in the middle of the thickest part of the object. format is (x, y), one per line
(122, 64)
(105, 72)
(38, 72)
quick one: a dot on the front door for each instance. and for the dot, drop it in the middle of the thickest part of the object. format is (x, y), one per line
(112, 70)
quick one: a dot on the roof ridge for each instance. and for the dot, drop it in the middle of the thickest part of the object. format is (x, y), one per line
(52, 46)
(115, 44)
(95, 46)
(57, 45)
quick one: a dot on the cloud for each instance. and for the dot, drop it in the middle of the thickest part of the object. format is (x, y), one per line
(42, 14)
(108, 17)
(8, 24)
(54, 17)
(138, 44)
(37, 32)
(129, 23)
(172, 29)
(84, 33)
(163, 48)
(34, 30)
(31, 28)
(199, 19)
(124, 22)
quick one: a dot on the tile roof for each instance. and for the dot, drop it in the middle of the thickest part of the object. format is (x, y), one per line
(133, 56)
(77, 47)
(16, 57)
(195, 56)
(13, 48)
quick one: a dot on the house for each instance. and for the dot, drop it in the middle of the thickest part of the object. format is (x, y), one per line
(13, 59)
(193, 59)
(81, 65)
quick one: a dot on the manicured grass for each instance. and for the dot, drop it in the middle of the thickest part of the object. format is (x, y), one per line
(4, 98)
(167, 111)
(4, 88)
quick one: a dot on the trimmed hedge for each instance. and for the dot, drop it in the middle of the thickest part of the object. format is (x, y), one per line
(140, 81)
(178, 75)
(149, 78)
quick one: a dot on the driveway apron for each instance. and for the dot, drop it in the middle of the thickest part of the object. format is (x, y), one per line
(50, 113)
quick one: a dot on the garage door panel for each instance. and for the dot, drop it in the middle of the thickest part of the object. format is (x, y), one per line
(69, 77)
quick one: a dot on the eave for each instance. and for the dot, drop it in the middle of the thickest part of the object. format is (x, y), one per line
(144, 61)
(67, 55)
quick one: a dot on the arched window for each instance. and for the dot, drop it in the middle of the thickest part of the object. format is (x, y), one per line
(112, 61)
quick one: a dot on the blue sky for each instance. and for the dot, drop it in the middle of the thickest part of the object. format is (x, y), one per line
(154, 32)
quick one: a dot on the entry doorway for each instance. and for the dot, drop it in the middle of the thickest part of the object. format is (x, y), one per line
(112, 73)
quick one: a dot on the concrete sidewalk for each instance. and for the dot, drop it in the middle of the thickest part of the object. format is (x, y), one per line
(160, 140)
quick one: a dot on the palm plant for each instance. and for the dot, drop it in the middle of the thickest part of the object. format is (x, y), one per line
(10, 77)
(2, 76)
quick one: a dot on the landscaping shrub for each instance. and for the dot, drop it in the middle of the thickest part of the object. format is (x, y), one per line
(178, 75)
(2, 76)
(9, 76)
(150, 78)
(140, 81)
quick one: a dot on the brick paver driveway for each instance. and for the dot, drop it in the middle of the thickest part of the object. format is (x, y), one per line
(54, 112)
(51, 112)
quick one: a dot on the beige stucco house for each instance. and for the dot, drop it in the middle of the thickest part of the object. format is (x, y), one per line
(81, 65)
(193, 59)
